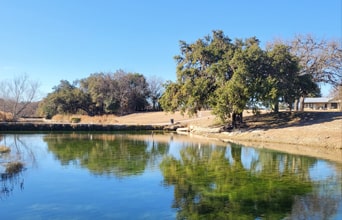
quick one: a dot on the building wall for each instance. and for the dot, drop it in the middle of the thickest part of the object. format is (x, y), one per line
(323, 106)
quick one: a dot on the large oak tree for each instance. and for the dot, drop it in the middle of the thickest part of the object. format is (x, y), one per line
(226, 76)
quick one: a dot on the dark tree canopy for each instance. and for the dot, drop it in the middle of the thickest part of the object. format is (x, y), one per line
(100, 93)
(227, 76)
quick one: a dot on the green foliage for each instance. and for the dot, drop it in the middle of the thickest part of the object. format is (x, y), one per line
(66, 99)
(200, 69)
(75, 120)
(209, 185)
(220, 104)
(106, 154)
(214, 72)
(117, 93)
(172, 97)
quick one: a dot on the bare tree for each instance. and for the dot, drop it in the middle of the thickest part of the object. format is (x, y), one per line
(156, 89)
(322, 59)
(18, 93)
(336, 93)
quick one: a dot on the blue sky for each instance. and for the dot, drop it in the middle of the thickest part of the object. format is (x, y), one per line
(70, 39)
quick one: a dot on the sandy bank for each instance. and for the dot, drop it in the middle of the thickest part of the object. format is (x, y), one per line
(317, 134)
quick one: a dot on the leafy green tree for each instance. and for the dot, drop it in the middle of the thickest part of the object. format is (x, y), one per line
(285, 73)
(201, 68)
(248, 81)
(131, 91)
(66, 98)
(100, 93)
(171, 100)
(214, 72)
(321, 59)
(139, 92)
(101, 89)
(290, 84)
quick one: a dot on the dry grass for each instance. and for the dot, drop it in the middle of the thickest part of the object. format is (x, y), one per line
(14, 167)
(103, 119)
(4, 149)
(5, 116)
(204, 118)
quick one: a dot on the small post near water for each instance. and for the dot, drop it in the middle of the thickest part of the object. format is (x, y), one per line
(171, 121)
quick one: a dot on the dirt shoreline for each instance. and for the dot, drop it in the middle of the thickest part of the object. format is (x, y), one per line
(311, 150)
(316, 134)
(311, 133)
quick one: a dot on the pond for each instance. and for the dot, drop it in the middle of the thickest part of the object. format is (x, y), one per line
(144, 175)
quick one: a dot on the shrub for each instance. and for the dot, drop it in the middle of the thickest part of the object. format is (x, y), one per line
(75, 120)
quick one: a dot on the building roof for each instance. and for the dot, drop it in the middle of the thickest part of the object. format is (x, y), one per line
(317, 100)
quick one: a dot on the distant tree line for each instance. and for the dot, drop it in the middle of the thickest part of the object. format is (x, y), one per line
(103, 93)
(227, 77)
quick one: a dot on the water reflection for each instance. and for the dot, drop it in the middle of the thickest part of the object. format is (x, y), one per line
(9, 183)
(12, 163)
(210, 185)
(206, 180)
(109, 154)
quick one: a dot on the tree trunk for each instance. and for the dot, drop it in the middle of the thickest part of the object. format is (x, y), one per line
(301, 105)
(241, 118)
(296, 103)
(234, 120)
(276, 107)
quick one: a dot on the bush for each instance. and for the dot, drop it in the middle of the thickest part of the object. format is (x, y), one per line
(75, 120)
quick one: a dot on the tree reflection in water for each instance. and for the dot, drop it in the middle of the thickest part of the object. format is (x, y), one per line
(106, 154)
(19, 152)
(208, 184)
(322, 203)
(9, 183)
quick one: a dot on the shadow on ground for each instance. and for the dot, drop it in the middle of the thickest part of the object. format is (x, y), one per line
(290, 119)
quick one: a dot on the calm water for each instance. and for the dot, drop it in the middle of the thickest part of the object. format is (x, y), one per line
(162, 176)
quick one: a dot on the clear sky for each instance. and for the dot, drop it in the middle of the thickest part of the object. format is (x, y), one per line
(70, 39)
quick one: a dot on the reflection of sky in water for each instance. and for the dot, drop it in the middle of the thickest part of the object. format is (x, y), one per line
(322, 170)
(52, 189)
